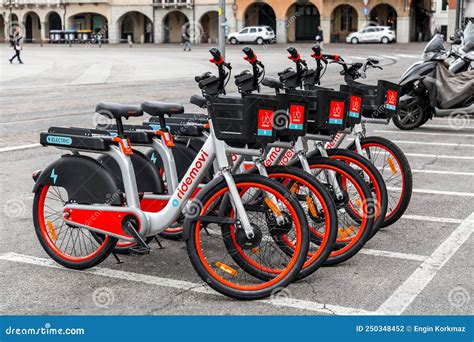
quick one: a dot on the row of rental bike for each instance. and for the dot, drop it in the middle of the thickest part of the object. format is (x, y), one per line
(256, 185)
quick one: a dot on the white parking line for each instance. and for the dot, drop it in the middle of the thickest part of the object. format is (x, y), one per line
(431, 143)
(408, 56)
(21, 147)
(436, 192)
(410, 142)
(439, 172)
(406, 293)
(185, 285)
(437, 156)
(448, 126)
(432, 219)
(396, 255)
(453, 134)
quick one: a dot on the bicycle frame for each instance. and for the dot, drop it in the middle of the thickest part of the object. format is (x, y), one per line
(152, 223)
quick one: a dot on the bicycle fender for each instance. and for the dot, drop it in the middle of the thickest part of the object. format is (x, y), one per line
(84, 179)
(147, 176)
(203, 192)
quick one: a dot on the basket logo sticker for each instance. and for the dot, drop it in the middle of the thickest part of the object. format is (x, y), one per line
(391, 103)
(354, 109)
(336, 112)
(265, 122)
(296, 117)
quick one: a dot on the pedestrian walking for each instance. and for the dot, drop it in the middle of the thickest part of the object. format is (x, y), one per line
(319, 36)
(17, 45)
(186, 43)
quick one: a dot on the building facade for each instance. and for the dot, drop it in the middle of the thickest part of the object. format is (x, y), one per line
(165, 21)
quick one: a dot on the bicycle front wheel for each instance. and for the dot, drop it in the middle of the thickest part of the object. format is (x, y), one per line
(241, 266)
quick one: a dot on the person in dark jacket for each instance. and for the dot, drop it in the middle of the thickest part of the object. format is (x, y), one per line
(17, 45)
(319, 36)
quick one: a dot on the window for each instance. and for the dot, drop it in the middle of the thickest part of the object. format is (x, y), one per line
(244, 31)
(444, 5)
(253, 30)
(260, 29)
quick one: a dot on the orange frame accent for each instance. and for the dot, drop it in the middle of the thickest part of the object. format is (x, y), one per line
(127, 150)
(170, 142)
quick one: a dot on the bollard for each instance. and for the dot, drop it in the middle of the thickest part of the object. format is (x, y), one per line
(129, 39)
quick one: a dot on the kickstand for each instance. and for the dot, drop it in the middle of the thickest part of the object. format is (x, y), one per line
(117, 258)
(160, 246)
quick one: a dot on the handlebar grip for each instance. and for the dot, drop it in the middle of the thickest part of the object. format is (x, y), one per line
(293, 53)
(216, 54)
(251, 57)
(317, 51)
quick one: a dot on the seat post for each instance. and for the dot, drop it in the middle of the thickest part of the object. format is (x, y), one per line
(119, 127)
(163, 123)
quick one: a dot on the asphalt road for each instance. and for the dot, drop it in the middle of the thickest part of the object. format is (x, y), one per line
(421, 265)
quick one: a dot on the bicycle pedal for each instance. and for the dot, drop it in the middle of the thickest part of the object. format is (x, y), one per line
(141, 250)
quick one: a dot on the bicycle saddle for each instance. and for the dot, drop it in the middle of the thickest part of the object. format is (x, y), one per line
(272, 83)
(198, 100)
(157, 108)
(117, 110)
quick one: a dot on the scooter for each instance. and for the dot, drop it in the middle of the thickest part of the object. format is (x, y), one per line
(418, 103)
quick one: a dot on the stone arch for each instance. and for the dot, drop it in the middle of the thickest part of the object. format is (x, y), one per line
(173, 23)
(260, 13)
(32, 26)
(344, 20)
(303, 20)
(88, 24)
(384, 15)
(137, 25)
(209, 22)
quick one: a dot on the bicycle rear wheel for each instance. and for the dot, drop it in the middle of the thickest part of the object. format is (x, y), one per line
(353, 232)
(372, 178)
(392, 163)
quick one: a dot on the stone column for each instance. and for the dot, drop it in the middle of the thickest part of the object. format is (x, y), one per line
(44, 32)
(403, 29)
(362, 22)
(113, 31)
(158, 31)
(326, 27)
(281, 31)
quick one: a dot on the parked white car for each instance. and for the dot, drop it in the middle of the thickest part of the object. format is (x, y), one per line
(253, 34)
(372, 34)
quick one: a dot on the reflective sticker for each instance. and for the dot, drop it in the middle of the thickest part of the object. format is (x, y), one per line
(226, 268)
(52, 231)
(355, 105)
(336, 112)
(391, 101)
(265, 122)
(311, 206)
(392, 165)
(273, 206)
(296, 117)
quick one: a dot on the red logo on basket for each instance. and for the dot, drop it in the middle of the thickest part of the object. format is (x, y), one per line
(296, 117)
(336, 112)
(355, 104)
(265, 122)
(391, 102)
